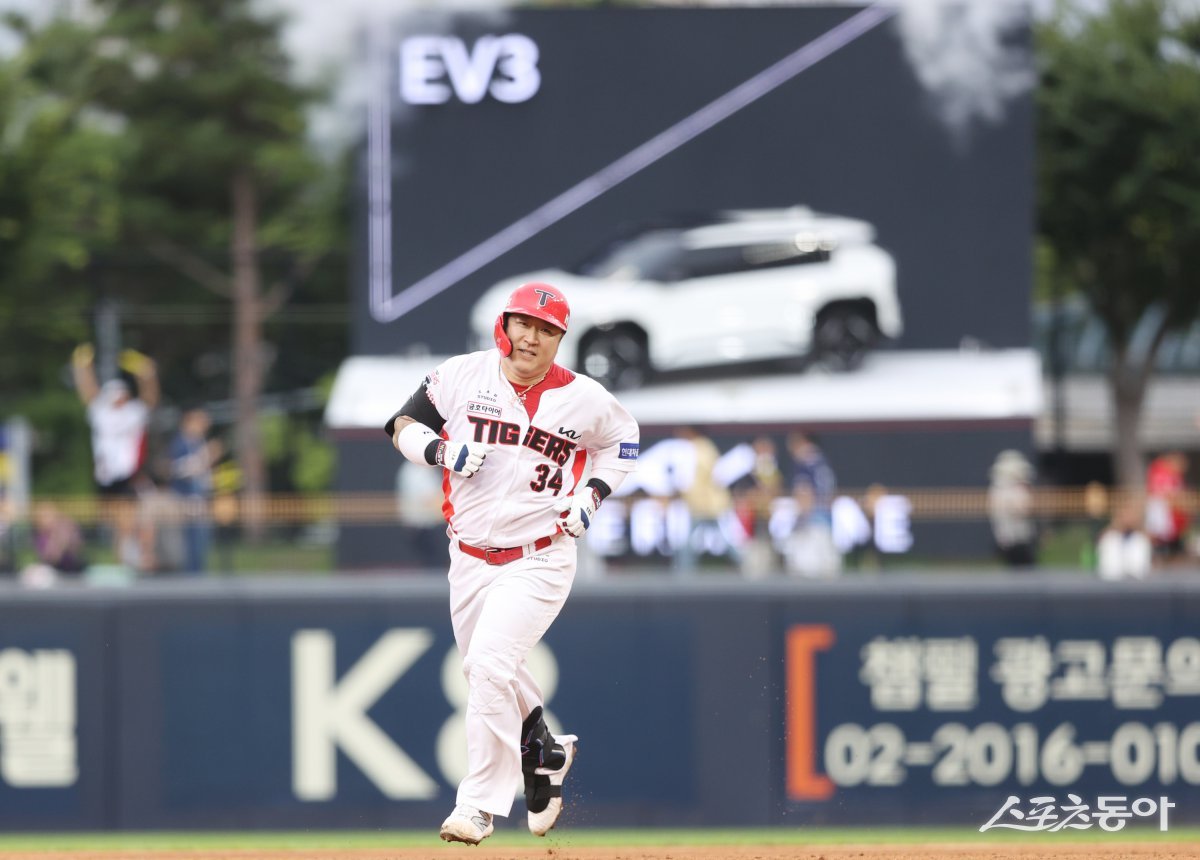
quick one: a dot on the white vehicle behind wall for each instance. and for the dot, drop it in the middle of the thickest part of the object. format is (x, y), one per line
(743, 285)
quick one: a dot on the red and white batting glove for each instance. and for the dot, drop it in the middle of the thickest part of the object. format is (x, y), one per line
(576, 512)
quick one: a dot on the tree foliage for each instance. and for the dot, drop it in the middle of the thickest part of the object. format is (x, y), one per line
(1119, 177)
(59, 203)
(211, 203)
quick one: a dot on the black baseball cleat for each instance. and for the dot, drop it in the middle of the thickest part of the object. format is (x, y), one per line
(547, 789)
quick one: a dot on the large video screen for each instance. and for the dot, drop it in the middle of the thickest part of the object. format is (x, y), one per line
(765, 220)
(710, 173)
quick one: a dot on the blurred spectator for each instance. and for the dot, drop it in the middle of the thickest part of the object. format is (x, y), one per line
(133, 537)
(118, 416)
(810, 548)
(1010, 509)
(1095, 506)
(810, 469)
(1167, 518)
(57, 539)
(8, 551)
(706, 499)
(754, 495)
(863, 552)
(1124, 550)
(419, 499)
(192, 457)
(767, 476)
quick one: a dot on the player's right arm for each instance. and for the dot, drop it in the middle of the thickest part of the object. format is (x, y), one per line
(613, 445)
(83, 370)
(416, 433)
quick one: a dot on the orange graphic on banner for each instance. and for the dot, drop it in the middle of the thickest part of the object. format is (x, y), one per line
(803, 643)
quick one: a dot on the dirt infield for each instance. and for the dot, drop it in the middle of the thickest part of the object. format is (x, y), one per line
(983, 851)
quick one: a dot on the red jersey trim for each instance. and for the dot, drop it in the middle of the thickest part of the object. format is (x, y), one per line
(577, 469)
(556, 377)
(447, 505)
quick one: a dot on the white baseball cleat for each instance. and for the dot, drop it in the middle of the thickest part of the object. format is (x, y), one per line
(540, 823)
(467, 824)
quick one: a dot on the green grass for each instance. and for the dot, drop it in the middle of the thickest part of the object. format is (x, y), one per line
(514, 837)
(296, 557)
(1067, 545)
(242, 557)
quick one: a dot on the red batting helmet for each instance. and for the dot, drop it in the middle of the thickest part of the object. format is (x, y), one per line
(534, 299)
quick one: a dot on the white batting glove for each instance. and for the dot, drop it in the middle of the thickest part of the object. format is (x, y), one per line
(465, 458)
(575, 512)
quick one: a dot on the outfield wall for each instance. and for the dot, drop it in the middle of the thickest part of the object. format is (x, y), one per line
(339, 704)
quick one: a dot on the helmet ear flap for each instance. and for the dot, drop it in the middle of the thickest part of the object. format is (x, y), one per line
(503, 342)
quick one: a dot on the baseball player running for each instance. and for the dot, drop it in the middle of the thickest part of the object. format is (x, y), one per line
(515, 434)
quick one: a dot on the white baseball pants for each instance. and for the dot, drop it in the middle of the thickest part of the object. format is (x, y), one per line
(499, 613)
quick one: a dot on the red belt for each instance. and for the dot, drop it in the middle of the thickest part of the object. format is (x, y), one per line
(503, 556)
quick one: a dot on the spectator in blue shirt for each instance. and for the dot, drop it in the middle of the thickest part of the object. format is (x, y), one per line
(811, 473)
(192, 457)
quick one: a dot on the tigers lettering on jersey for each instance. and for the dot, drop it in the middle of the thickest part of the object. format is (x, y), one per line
(493, 432)
(584, 425)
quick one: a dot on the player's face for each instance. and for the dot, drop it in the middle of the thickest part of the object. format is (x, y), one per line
(535, 344)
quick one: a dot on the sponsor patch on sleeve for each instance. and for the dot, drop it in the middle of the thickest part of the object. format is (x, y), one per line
(430, 384)
(629, 451)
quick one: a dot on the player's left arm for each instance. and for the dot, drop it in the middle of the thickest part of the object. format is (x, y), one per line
(614, 448)
(145, 371)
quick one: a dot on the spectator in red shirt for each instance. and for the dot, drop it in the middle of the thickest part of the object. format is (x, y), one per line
(1167, 519)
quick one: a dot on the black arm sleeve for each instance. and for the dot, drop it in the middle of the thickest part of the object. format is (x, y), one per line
(419, 408)
(602, 489)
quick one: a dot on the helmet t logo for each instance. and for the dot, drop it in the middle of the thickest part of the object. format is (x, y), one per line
(543, 297)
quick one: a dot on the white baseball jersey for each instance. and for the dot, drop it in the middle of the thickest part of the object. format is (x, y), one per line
(532, 462)
(118, 437)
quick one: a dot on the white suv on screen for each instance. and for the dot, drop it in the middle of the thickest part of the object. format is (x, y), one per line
(744, 285)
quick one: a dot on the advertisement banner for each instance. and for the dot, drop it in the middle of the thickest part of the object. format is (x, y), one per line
(969, 700)
(940, 708)
(586, 145)
(56, 717)
(318, 714)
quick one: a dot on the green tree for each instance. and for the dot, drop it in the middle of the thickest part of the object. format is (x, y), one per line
(220, 186)
(59, 201)
(1119, 179)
